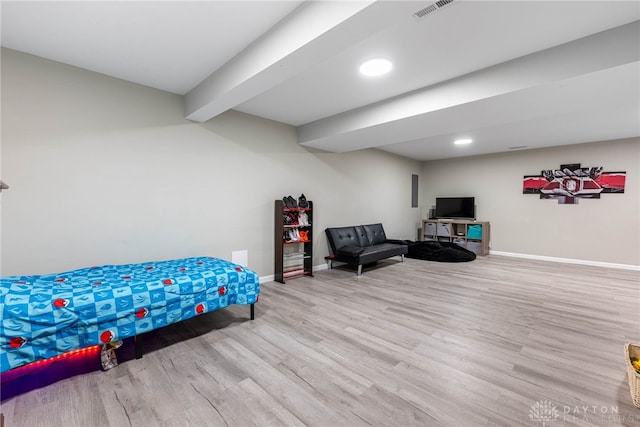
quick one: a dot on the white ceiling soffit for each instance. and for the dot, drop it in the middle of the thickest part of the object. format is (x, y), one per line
(489, 97)
(460, 38)
(504, 73)
(571, 118)
(308, 36)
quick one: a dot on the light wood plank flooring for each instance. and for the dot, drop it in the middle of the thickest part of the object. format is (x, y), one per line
(407, 344)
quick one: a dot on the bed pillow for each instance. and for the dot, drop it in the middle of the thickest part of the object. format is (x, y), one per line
(350, 250)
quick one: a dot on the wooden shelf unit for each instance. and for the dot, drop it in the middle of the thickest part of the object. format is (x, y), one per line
(292, 258)
(472, 235)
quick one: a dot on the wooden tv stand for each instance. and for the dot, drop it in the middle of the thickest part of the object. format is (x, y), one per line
(460, 231)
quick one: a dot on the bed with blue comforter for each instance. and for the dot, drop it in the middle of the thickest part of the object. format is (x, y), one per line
(47, 315)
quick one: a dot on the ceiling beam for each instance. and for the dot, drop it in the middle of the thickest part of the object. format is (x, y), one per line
(380, 124)
(312, 33)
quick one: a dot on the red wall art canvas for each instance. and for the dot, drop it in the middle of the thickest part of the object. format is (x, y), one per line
(572, 182)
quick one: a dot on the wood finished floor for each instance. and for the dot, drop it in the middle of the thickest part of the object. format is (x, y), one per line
(407, 344)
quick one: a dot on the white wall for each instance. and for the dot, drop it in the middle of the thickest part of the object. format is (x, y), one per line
(104, 171)
(605, 230)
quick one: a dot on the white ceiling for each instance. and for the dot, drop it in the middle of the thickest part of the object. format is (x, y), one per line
(523, 74)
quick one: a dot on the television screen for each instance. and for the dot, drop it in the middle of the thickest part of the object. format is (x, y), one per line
(456, 207)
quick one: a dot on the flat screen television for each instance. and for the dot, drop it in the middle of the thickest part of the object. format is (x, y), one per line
(456, 207)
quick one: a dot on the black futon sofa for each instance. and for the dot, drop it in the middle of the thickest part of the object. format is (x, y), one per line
(361, 244)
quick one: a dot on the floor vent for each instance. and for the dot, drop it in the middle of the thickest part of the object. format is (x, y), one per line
(431, 8)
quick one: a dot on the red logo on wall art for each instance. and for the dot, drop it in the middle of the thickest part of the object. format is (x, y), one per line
(571, 183)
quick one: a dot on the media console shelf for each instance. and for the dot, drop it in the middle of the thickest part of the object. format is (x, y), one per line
(473, 235)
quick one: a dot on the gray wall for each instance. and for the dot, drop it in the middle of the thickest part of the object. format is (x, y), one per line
(104, 171)
(605, 230)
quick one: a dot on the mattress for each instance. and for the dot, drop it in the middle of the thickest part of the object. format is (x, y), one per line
(47, 315)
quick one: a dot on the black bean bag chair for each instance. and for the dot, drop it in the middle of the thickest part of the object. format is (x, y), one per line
(432, 250)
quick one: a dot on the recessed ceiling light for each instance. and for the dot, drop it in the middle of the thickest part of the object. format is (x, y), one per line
(462, 141)
(376, 67)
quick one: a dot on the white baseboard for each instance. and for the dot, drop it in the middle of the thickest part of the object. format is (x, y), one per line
(266, 279)
(272, 277)
(324, 266)
(568, 260)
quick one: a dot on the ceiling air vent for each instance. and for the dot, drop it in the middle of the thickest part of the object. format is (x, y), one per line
(443, 3)
(425, 11)
(431, 8)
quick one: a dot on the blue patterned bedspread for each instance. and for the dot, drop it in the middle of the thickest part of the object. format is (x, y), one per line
(43, 316)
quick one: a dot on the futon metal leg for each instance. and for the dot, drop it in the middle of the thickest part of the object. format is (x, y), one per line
(138, 341)
(253, 313)
(359, 269)
(402, 256)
